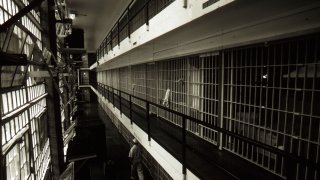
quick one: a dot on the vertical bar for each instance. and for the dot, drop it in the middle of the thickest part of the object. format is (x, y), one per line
(130, 104)
(111, 38)
(184, 169)
(113, 97)
(128, 23)
(147, 13)
(148, 119)
(31, 153)
(118, 34)
(220, 94)
(120, 103)
(303, 107)
(104, 91)
(108, 93)
(1, 163)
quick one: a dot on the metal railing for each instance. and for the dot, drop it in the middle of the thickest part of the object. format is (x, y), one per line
(111, 93)
(137, 13)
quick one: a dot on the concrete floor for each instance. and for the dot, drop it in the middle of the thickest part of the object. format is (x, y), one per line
(112, 161)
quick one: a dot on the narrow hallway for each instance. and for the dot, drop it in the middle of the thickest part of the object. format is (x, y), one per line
(90, 154)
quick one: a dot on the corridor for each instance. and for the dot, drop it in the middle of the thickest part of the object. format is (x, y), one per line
(96, 135)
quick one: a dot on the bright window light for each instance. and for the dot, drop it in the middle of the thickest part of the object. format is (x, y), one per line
(9, 101)
(12, 128)
(72, 16)
(3, 136)
(14, 99)
(19, 98)
(16, 123)
(8, 135)
(4, 103)
(1, 16)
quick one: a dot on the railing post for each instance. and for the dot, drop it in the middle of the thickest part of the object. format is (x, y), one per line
(130, 115)
(128, 23)
(118, 29)
(113, 96)
(111, 39)
(147, 13)
(120, 103)
(148, 119)
(184, 169)
(104, 91)
(108, 94)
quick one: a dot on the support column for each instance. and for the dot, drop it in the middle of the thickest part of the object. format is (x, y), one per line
(53, 99)
(220, 92)
(1, 161)
(54, 129)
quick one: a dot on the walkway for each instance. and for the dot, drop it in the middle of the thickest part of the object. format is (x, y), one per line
(97, 135)
(202, 158)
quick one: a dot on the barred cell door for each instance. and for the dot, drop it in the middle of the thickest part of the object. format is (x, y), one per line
(272, 95)
(203, 97)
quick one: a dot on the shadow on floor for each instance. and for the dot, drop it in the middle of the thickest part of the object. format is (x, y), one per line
(97, 136)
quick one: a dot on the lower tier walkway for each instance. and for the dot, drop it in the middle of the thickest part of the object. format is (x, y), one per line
(98, 141)
(204, 159)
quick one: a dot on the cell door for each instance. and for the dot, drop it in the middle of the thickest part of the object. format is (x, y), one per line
(203, 94)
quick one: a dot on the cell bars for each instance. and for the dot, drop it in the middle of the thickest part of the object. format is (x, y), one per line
(271, 94)
(188, 85)
(266, 92)
(138, 74)
(152, 85)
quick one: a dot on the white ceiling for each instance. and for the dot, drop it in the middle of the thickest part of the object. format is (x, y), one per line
(96, 18)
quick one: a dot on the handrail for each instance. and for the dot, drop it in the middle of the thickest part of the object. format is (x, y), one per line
(272, 149)
(108, 40)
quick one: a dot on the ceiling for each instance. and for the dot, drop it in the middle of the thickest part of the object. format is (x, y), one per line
(96, 18)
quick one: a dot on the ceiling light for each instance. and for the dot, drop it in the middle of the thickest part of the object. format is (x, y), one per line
(265, 76)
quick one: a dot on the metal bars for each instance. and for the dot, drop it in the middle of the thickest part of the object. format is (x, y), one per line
(138, 13)
(139, 86)
(268, 92)
(270, 96)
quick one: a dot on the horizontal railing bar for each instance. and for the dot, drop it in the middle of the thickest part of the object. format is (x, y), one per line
(272, 149)
(126, 11)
